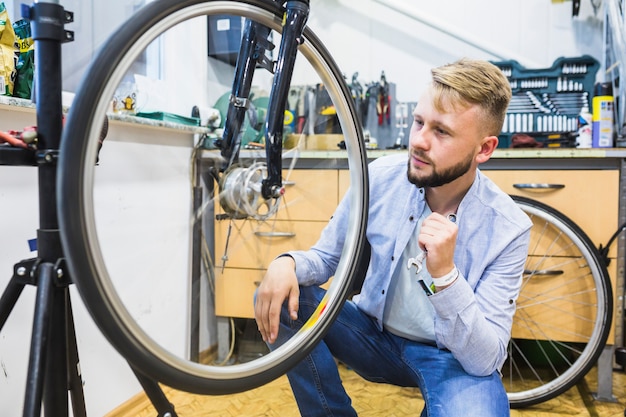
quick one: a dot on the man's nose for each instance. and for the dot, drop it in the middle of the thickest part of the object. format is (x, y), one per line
(419, 138)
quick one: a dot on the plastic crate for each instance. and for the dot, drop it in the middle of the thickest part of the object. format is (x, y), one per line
(547, 102)
(224, 37)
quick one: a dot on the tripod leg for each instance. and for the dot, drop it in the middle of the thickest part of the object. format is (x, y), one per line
(55, 386)
(75, 381)
(9, 298)
(39, 339)
(156, 395)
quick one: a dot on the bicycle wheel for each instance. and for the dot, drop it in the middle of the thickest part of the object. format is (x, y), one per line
(133, 232)
(564, 310)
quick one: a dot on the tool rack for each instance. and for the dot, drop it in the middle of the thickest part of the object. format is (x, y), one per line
(547, 103)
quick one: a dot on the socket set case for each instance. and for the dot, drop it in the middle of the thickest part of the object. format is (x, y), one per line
(547, 103)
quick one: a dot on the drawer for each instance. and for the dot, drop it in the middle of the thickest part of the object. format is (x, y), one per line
(310, 194)
(590, 198)
(344, 182)
(557, 292)
(234, 291)
(254, 244)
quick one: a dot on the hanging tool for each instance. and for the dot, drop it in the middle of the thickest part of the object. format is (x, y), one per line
(383, 99)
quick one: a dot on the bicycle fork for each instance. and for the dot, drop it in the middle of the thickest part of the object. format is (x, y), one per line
(254, 43)
(294, 21)
(252, 53)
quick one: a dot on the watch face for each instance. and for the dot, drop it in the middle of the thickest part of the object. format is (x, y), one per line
(427, 290)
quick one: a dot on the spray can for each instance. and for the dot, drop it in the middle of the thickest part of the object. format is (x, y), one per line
(584, 128)
(602, 117)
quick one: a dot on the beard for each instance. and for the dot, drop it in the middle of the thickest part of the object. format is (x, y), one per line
(438, 178)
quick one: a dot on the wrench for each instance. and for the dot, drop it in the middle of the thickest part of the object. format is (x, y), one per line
(417, 261)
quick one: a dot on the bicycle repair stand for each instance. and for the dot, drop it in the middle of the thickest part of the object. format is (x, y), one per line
(53, 367)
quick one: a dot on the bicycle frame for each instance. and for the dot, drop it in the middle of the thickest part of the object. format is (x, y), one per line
(252, 53)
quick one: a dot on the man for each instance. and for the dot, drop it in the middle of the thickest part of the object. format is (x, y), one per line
(444, 329)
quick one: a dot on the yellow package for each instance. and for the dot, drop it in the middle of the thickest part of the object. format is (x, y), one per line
(9, 53)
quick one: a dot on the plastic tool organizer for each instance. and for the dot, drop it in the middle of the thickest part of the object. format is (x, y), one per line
(547, 103)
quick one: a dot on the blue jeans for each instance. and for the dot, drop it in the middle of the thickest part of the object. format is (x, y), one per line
(355, 340)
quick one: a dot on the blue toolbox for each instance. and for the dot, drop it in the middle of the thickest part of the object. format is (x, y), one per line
(548, 105)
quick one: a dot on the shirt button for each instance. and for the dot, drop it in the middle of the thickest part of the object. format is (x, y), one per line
(411, 218)
(383, 291)
(393, 258)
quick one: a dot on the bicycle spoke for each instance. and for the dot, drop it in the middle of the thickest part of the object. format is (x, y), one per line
(563, 310)
(201, 232)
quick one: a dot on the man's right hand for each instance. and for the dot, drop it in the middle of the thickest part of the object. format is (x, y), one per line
(279, 283)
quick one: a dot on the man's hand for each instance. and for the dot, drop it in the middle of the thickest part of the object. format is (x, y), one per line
(438, 238)
(280, 283)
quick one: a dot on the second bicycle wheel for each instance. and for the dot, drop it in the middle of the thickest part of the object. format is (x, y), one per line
(564, 310)
(160, 243)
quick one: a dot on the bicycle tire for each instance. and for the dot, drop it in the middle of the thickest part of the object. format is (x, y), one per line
(562, 323)
(79, 233)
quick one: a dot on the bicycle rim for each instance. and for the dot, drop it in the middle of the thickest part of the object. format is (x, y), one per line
(117, 291)
(564, 310)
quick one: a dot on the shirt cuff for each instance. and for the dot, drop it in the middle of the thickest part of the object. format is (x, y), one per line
(454, 299)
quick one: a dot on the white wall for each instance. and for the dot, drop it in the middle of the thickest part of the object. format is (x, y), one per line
(370, 36)
(364, 36)
(136, 176)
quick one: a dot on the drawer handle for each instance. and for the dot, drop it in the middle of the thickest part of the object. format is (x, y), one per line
(289, 183)
(543, 272)
(539, 186)
(274, 234)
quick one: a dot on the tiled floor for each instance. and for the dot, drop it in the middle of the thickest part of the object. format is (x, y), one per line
(370, 400)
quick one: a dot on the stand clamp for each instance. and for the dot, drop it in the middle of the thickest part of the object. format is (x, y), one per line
(48, 21)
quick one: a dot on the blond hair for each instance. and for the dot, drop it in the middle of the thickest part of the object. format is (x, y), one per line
(466, 82)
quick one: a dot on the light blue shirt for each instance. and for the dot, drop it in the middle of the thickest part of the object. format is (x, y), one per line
(473, 317)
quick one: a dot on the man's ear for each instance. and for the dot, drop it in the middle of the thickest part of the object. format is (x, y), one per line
(488, 145)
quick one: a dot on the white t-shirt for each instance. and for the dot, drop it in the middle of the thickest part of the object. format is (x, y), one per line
(408, 312)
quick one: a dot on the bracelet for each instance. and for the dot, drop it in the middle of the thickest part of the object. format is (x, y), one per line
(284, 255)
(447, 279)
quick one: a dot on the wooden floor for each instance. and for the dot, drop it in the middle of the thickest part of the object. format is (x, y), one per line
(370, 400)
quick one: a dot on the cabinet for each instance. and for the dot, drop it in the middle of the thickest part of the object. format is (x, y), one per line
(588, 197)
(244, 248)
(582, 196)
(312, 195)
(584, 185)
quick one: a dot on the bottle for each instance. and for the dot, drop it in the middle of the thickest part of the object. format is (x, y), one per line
(602, 126)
